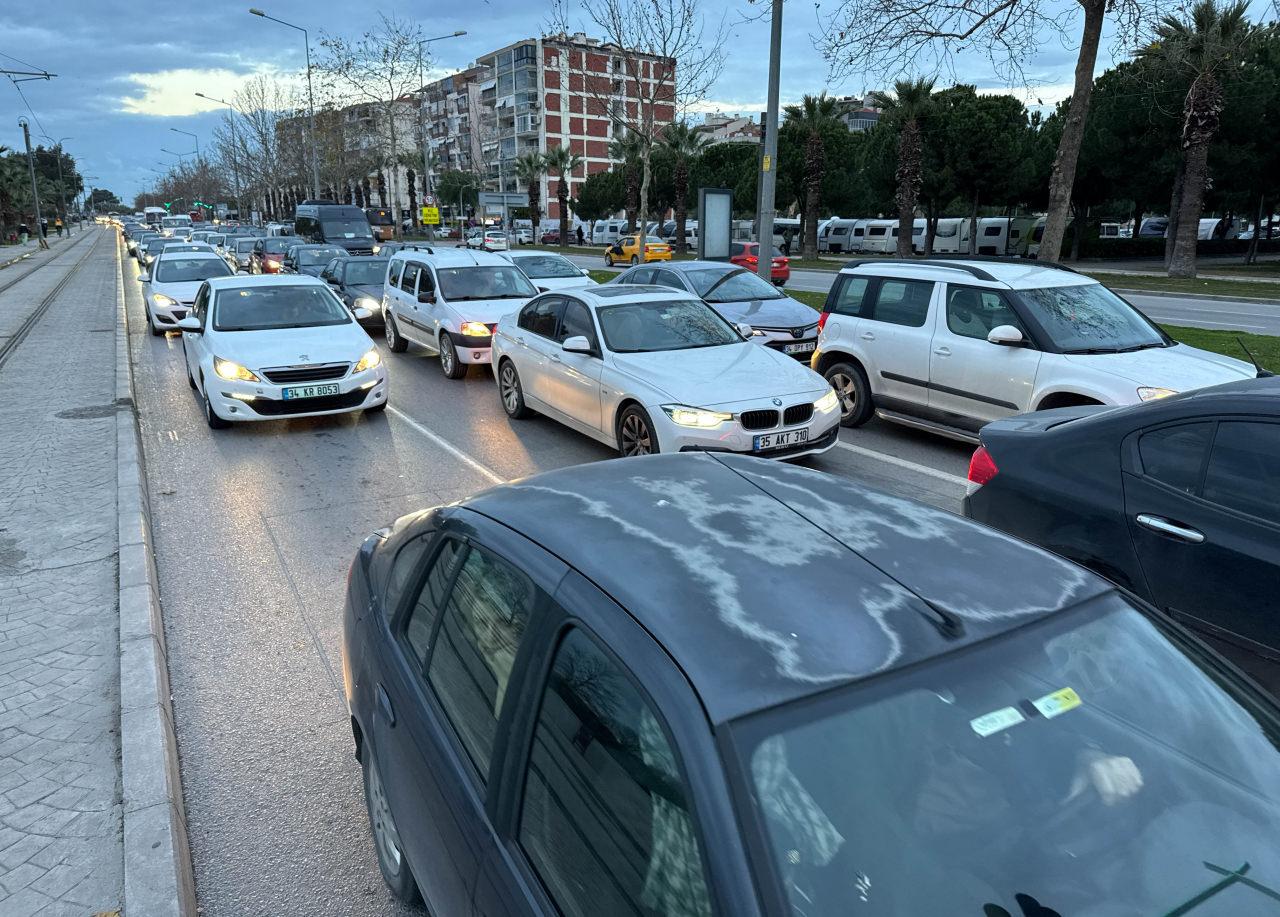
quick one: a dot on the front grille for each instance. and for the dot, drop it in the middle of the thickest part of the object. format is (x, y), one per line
(179, 313)
(268, 407)
(797, 413)
(360, 251)
(758, 420)
(317, 372)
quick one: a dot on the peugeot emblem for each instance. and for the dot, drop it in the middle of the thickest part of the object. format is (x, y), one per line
(777, 402)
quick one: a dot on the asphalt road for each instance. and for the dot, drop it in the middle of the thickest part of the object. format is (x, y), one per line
(254, 530)
(1258, 318)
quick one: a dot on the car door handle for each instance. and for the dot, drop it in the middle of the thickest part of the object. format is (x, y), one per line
(868, 336)
(1172, 529)
(384, 704)
(942, 351)
(555, 358)
(520, 341)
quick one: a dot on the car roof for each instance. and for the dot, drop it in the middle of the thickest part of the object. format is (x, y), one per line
(604, 294)
(197, 253)
(449, 257)
(767, 582)
(681, 267)
(237, 281)
(1014, 274)
(535, 253)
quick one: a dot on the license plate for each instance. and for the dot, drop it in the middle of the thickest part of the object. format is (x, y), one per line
(806, 347)
(309, 391)
(781, 440)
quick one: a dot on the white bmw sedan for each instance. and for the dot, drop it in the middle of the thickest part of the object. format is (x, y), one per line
(650, 370)
(272, 346)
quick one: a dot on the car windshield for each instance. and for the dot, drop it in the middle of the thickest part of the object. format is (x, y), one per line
(245, 245)
(1088, 764)
(310, 257)
(718, 285)
(365, 273)
(215, 239)
(680, 324)
(1089, 318)
(484, 282)
(346, 229)
(539, 267)
(267, 307)
(278, 245)
(182, 270)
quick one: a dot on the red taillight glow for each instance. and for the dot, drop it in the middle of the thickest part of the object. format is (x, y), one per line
(822, 320)
(982, 467)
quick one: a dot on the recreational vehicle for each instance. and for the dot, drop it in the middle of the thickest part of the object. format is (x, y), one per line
(881, 236)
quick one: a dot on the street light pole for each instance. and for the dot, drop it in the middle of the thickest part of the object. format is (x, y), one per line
(200, 189)
(422, 124)
(35, 192)
(769, 161)
(235, 151)
(311, 100)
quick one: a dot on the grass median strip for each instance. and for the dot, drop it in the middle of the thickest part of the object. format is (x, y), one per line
(1190, 286)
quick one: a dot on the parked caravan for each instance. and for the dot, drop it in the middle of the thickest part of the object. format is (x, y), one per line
(881, 236)
(918, 228)
(946, 235)
(1215, 228)
(607, 232)
(842, 235)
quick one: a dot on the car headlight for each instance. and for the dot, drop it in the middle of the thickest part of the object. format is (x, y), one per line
(163, 301)
(475, 329)
(368, 302)
(232, 372)
(369, 361)
(695, 417)
(828, 402)
(1147, 393)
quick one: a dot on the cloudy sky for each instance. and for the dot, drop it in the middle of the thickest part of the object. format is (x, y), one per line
(128, 72)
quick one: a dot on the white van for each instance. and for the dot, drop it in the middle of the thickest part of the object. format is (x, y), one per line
(881, 236)
(174, 221)
(449, 300)
(606, 232)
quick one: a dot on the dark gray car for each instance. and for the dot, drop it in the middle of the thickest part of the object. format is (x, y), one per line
(311, 259)
(740, 296)
(358, 281)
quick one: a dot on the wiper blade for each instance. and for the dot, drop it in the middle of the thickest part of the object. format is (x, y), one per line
(1146, 346)
(715, 286)
(1230, 878)
(1095, 350)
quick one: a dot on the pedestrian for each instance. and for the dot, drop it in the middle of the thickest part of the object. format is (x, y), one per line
(57, 226)
(786, 242)
(582, 239)
(44, 227)
(24, 233)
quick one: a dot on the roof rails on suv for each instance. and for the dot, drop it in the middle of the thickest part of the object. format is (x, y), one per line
(967, 268)
(948, 261)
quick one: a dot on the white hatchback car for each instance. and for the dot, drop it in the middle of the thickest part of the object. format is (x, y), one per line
(550, 271)
(650, 370)
(950, 345)
(449, 300)
(172, 283)
(259, 348)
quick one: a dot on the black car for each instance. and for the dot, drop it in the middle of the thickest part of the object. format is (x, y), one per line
(359, 282)
(310, 259)
(708, 684)
(1177, 500)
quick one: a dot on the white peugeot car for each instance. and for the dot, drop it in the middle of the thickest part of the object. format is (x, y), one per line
(449, 300)
(172, 283)
(650, 370)
(274, 345)
(950, 345)
(550, 271)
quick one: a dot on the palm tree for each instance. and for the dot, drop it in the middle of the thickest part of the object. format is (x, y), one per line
(1206, 46)
(685, 145)
(563, 162)
(812, 118)
(907, 107)
(629, 150)
(529, 169)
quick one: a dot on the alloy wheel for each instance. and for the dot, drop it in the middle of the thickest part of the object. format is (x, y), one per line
(636, 438)
(846, 391)
(509, 387)
(447, 356)
(384, 828)
(389, 331)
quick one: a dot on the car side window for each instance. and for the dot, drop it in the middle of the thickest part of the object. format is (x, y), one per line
(420, 622)
(393, 273)
(642, 275)
(409, 277)
(540, 317)
(667, 279)
(475, 648)
(1175, 455)
(972, 312)
(736, 249)
(576, 322)
(1242, 473)
(903, 302)
(201, 303)
(605, 820)
(849, 295)
(426, 280)
(403, 569)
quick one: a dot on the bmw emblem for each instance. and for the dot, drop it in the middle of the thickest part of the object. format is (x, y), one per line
(777, 402)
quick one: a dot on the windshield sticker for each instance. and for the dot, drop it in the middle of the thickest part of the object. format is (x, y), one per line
(996, 720)
(1057, 703)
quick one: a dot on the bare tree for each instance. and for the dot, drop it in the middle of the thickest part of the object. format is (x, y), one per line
(884, 38)
(379, 70)
(663, 58)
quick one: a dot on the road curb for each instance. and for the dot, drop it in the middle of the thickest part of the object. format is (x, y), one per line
(158, 878)
(1213, 297)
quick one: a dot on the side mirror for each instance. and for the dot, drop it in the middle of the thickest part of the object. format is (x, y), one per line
(426, 296)
(144, 277)
(1006, 335)
(576, 344)
(335, 281)
(745, 330)
(190, 323)
(361, 313)
(586, 272)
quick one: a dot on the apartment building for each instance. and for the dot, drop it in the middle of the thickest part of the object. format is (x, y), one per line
(857, 114)
(721, 128)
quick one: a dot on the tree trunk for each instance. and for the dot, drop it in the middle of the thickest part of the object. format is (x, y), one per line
(1138, 208)
(1063, 177)
(1251, 255)
(815, 169)
(641, 230)
(562, 195)
(1077, 231)
(412, 189)
(908, 176)
(1175, 209)
(1182, 262)
(973, 227)
(681, 181)
(535, 204)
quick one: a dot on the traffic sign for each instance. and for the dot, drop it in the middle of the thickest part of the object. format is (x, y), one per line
(431, 216)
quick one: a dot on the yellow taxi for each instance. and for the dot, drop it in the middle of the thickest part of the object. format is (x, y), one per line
(627, 251)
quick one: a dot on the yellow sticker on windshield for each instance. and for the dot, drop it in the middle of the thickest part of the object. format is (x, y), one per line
(1057, 703)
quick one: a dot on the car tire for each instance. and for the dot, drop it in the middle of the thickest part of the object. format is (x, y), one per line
(395, 342)
(850, 384)
(386, 837)
(190, 381)
(635, 259)
(635, 433)
(213, 420)
(151, 322)
(450, 365)
(511, 392)
(608, 260)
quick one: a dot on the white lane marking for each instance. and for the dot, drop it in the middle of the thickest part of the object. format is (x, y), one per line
(449, 447)
(953, 479)
(1206, 325)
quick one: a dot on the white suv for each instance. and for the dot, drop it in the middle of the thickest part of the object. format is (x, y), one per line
(949, 345)
(449, 300)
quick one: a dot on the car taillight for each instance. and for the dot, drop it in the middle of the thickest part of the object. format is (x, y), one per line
(822, 320)
(982, 467)
(751, 259)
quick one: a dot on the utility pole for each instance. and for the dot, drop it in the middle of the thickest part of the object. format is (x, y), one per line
(769, 161)
(35, 193)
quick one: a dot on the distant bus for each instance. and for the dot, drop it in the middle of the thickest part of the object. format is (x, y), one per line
(380, 221)
(153, 215)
